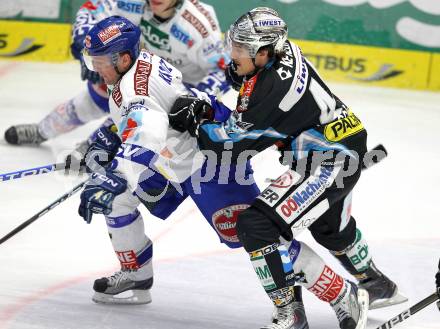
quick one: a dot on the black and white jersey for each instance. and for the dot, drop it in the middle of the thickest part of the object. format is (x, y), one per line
(285, 100)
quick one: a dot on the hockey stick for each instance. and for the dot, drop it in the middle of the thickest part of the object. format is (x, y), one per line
(37, 171)
(42, 212)
(411, 311)
(373, 156)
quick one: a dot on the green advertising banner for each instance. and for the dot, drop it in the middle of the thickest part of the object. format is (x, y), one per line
(402, 24)
(59, 11)
(405, 24)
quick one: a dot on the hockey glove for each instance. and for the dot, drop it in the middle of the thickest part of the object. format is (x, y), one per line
(188, 113)
(75, 160)
(91, 76)
(103, 149)
(286, 154)
(99, 193)
(232, 77)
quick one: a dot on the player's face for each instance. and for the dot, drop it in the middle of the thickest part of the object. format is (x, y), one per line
(160, 6)
(240, 56)
(104, 65)
(108, 74)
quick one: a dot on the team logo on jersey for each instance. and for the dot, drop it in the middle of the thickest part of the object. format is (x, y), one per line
(154, 37)
(181, 35)
(109, 33)
(196, 23)
(236, 125)
(129, 125)
(129, 129)
(225, 220)
(343, 128)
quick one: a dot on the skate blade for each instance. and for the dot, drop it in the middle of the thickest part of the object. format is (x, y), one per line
(397, 298)
(363, 299)
(129, 297)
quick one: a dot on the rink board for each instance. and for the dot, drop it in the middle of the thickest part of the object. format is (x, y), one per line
(434, 79)
(370, 65)
(32, 41)
(344, 63)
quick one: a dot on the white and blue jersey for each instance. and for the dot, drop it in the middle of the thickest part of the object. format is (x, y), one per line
(163, 166)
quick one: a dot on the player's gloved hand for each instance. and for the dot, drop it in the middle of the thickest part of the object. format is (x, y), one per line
(103, 149)
(75, 160)
(188, 113)
(77, 44)
(232, 77)
(88, 75)
(286, 154)
(99, 193)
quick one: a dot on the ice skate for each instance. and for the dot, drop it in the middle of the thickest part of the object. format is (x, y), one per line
(291, 316)
(299, 314)
(24, 134)
(382, 292)
(122, 288)
(351, 308)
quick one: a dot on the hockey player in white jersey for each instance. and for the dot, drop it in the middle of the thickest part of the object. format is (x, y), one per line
(155, 165)
(184, 32)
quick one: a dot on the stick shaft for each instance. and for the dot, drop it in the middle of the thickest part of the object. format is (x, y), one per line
(409, 312)
(41, 213)
(32, 171)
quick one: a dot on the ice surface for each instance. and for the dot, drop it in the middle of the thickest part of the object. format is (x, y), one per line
(47, 270)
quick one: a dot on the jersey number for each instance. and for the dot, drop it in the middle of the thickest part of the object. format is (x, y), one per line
(326, 102)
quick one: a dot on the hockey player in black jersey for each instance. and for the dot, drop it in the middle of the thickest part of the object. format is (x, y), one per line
(282, 100)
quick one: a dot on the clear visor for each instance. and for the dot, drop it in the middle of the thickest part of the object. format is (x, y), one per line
(95, 63)
(236, 49)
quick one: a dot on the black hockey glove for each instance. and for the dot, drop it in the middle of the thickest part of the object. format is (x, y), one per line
(188, 113)
(232, 77)
(286, 154)
(91, 76)
(103, 149)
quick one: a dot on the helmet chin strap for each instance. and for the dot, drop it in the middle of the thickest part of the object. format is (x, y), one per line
(119, 72)
(257, 67)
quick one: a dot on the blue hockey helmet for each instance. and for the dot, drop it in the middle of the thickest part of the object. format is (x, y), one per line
(110, 37)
